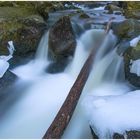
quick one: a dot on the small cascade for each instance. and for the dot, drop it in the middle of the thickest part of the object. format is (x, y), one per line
(34, 112)
(37, 66)
(42, 50)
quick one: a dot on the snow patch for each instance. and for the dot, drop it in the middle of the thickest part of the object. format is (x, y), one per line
(134, 42)
(113, 113)
(4, 65)
(135, 67)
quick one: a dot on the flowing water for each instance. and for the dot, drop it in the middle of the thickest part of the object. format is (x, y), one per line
(31, 115)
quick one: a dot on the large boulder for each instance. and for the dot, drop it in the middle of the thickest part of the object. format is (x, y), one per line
(21, 23)
(62, 42)
(23, 26)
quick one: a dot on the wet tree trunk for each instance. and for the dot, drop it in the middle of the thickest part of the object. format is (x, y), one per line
(56, 129)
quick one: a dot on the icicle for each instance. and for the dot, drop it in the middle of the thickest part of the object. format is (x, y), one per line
(4, 65)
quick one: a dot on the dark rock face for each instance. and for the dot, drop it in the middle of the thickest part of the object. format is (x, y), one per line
(127, 29)
(118, 136)
(24, 29)
(62, 41)
(61, 38)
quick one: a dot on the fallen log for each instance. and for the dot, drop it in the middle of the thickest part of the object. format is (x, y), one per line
(56, 129)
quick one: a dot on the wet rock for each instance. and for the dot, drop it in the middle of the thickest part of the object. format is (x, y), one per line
(127, 29)
(129, 55)
(111, 8)
(45, 7)
(84, 16)
(62, 34)
(132, 134)
(118, 136)
(62, 41)
(58, 66)
(23, 27)
(7, 81)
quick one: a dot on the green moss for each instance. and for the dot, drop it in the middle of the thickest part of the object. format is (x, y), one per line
(13, 12)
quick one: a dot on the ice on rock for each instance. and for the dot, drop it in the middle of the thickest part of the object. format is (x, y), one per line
(135, 67)
(4, 65)
(134, 42)
(112, 113)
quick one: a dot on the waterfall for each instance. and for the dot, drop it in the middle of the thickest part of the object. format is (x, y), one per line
(42, 50)
(35, 67)
(32, 114)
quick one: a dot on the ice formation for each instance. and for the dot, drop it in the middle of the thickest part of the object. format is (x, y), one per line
(4, 65)
(108, 112)
(134, 42)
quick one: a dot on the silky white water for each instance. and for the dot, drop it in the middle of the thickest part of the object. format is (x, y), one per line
(31, 115)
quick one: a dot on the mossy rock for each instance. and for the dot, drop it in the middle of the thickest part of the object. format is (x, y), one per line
(132, 9)
(23, 26)
(132, 54)
(127, 29)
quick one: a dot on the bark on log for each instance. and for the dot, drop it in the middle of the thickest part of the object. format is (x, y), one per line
(56, 129)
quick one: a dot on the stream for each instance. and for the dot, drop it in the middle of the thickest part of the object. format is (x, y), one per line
(39, 95)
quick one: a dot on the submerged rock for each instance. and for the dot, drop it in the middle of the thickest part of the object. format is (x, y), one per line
(84, 16)
(62, 42)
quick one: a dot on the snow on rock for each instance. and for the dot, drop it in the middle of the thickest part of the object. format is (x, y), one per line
(4, 65)
(11, 47)
(135, 67)
(113, 113)
(99, 8)
(134, 42)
